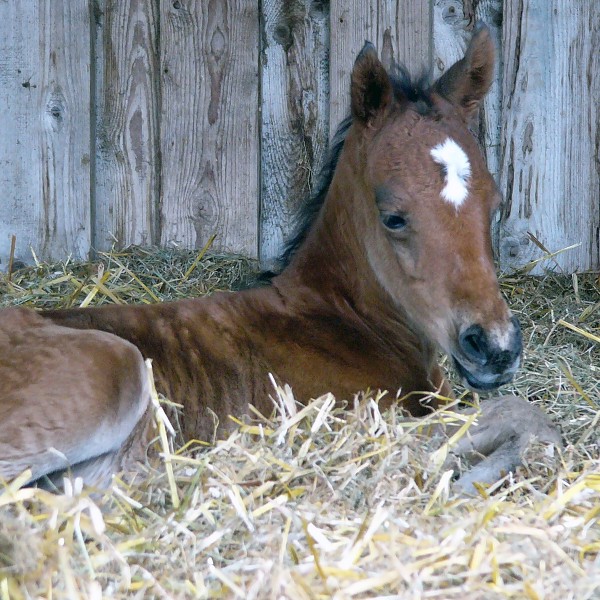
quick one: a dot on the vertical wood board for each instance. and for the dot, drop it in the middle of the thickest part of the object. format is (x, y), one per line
(294, 113)
(45, 155)
(550, 149)
(451, 33)
(490, 118)
(156, 121)
(453, 25)
(490, 13)
(64, 225)
(127, 168)
(20, 97)
(209, 124)
(401, 32)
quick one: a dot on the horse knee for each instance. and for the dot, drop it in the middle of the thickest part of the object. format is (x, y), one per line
(519, 418)
(119, 433)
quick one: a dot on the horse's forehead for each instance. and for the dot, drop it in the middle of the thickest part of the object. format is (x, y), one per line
(416, 144)
(422, 134)
(432, 158)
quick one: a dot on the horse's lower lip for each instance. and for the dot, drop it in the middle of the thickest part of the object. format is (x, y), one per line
(476, 384)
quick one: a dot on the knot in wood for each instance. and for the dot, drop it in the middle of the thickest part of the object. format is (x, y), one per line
(453, 14)
(282, 34)
(55, 109)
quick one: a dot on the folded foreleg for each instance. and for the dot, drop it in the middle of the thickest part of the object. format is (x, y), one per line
(495, 443)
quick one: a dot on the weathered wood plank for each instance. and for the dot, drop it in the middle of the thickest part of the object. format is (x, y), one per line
(451, 33)
(20, 97)
(295, 112)
(209, 124)
(551, 132)
(45, 147)
(490, 13)
(453, 23)
(401, 31)
(127, 169)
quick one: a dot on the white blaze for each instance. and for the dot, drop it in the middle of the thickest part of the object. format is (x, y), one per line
(457, 169)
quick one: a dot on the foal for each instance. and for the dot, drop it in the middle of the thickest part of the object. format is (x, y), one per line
(393, 261)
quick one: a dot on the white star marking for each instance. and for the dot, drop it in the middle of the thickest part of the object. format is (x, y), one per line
(457, 169)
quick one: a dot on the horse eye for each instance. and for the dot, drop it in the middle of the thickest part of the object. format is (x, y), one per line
(394, 222)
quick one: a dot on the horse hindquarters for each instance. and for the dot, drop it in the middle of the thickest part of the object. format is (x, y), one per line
(70, 400)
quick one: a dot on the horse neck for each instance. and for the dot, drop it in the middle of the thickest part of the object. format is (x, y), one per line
(331, 270)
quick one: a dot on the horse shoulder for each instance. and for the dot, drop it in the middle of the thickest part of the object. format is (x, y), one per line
(208, 359)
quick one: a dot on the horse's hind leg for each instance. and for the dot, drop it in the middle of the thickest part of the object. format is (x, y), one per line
(70, 400)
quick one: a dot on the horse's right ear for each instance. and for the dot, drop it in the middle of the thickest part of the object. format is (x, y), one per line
(370, 89)
(467, 81)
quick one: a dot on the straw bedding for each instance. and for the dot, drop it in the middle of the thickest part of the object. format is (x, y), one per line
(318, 502)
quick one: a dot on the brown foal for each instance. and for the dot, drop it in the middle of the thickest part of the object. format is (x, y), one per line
(392, 260)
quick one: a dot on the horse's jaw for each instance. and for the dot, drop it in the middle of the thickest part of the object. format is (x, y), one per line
(482, 381)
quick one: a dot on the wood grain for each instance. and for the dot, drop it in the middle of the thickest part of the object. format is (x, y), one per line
(490, 13)
(490, 117)
(209, 124)
(45, 150)
(551, 132)
(401, 31)
(127, 168)
(156, 121)
(295, 113)
(453, 24)
(451, 33)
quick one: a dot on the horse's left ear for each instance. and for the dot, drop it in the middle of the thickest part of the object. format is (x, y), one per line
(467, 81)
(370, 89)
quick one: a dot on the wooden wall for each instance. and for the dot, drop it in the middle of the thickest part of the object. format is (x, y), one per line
(165, 121)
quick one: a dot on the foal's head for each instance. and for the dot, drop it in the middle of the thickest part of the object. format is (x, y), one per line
(426, 200)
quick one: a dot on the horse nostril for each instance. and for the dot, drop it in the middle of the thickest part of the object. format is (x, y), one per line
(473, 342)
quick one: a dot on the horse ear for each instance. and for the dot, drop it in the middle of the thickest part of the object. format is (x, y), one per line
(371, 88)
(467, 81)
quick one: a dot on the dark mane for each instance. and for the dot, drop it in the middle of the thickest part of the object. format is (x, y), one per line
(308, 211)
(416, 92)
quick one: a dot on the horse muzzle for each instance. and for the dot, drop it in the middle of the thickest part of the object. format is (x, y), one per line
(487, 359)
